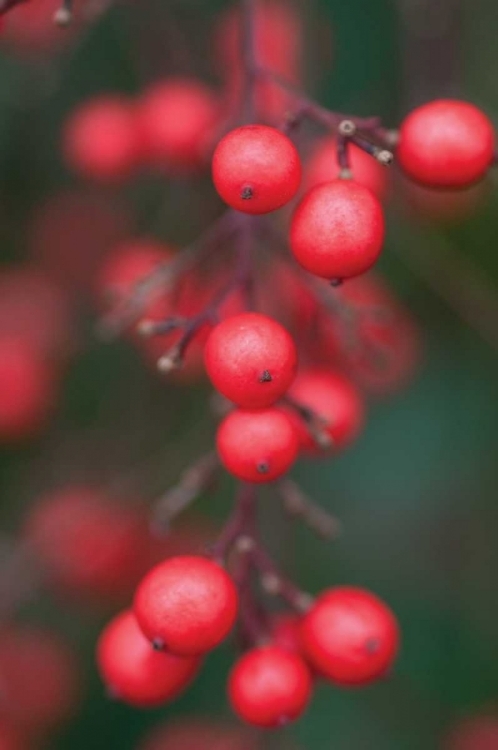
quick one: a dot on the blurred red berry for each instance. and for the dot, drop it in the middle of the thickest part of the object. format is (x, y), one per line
(334, 400)
(257, 446)
(446, 143)
(286, 631)
(269, 686)
(322, 167)
(134, 672)
(28, 387)
(256, 169)
(475, 733)
(91, 548)
(251, 360)
(337, 230)
(187, 603)
(350, 636)
(100, 139)
(176, 118)
(194, 734)
(40, 679)
(10, 738)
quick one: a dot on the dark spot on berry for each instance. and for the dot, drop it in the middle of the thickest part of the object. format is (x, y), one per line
(265, 377)
(336, 282)
(247, 193)
(263, 467)
(372, 645)
(158, 644)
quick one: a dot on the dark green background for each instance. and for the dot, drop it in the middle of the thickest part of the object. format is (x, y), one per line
(418, 494)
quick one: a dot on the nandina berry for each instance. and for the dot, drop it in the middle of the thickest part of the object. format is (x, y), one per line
(187, 604)
(27, 294)
(350, 636)
(285, 630)
(194, 734)
(269, 686)
(134, 672)
(256, 169)
(27, 389)
(337, 230)
(100, 139)
(322, 167)
(257, 446)
(176, 118)
(251, 360)
(446, 143)
(41, 683)
(125, 267)
(91, 549)
(334, 400)
(10, 738)
(473, 733)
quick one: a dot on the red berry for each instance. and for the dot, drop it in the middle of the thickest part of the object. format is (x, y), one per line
(27, 389)
(194, 734)
(89, 547)
(337, 230)
(187, 603)
(40, 679)
(286, 631)
(251, 360)
(323, 167)
(176, 118)
(335, 400)
(446, 143)
(100, 139)
(134, 672)
(257, 446)
(269, 686)
(256, 169)
(476, 733)
(350, 636)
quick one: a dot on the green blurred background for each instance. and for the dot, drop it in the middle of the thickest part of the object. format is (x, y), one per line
(417, 495)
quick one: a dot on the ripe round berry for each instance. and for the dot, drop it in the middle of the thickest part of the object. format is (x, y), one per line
(134, 672)
(337, 230)
(176, 118)
(90, 549)
(251, 360)
(27, 389)
(269, 686)
(41, 685)
(193, 734)
(187, 603)
(256, 169)
(323, 167)
(333, 399)
(350, 636)
(446, 143)
(257, 446)
(100, 139)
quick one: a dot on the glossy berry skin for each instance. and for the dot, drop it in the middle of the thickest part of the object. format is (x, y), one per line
(337, 230)
(446, 143)
(28, 388)
(251, 360)
(176, 119)
(322, 166)
(41, 682)
(269, 687)
(257, 446)
(350, 636)
(100, 139)
(188, 603)
(335, 400)
(134, 672)
(256, 169)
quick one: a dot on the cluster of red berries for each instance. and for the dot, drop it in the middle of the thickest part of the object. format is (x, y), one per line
(170, 127)
(186, 606)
